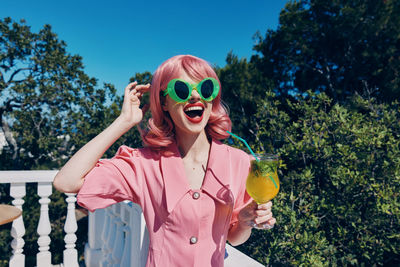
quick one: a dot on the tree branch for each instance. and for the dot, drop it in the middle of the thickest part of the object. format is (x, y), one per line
(15, 73)
(256, 136)
(5, 67)
(8, 106)
(37, 124)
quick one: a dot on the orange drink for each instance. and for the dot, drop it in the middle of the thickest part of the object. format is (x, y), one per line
(262, 182)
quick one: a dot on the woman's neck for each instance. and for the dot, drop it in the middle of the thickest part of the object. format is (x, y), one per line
(193, 145)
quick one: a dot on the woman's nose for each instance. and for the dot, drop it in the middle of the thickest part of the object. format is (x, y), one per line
(195, 96)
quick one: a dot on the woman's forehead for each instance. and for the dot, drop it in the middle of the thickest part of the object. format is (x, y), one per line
(184, 76)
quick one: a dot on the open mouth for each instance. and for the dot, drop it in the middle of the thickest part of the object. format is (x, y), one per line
(194, 112)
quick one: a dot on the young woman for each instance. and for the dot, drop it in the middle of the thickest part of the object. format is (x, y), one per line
(190, 186)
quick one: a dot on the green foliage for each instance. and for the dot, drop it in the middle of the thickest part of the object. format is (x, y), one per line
(339, 202)
(243, 87)
(335, 46)
(50, 108)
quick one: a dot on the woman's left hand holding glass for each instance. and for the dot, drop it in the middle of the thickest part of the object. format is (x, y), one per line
(259, 214)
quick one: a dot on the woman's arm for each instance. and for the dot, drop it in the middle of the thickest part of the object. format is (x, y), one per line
(239, 233)
(70, 178)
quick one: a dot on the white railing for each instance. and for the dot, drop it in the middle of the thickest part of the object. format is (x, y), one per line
(44, 179)
(117, 235)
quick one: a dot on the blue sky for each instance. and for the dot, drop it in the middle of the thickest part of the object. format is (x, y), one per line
(120, 38)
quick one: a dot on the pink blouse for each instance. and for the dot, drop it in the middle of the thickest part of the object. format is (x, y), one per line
(186, 227)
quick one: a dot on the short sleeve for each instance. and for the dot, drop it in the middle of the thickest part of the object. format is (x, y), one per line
(112, 181)
(243, 198)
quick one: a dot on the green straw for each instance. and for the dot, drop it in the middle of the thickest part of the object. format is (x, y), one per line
(273, 180)
(244, 141)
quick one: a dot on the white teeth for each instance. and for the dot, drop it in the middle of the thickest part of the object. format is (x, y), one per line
(193, 108)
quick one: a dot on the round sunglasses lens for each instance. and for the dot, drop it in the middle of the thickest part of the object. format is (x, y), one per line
(207, 88)
(181, 90)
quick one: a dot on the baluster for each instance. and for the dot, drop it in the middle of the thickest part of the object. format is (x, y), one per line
(18, 191)
(70, 253)
(43, 258)
(126, 254)
(118, 246)
(93, 254)
(111, 236)
(104, 237)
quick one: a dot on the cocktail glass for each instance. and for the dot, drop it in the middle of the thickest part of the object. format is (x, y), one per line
(262, 182)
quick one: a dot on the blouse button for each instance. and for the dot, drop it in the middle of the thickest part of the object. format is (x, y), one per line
(193, 240)
(196, 195)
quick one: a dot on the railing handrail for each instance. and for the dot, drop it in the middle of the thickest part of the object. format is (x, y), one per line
(34, 176)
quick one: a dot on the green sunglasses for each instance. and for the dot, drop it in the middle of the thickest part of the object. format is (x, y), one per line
(180, 90)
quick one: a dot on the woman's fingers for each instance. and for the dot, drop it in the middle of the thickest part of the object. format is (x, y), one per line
(135, 91)
(131, 111)
(265, 206)
(129, 95)
(129, 88)
(263, 218)
(135, 88)
(263, 209)
(143, 88)
(265, 225)
(272, 221)
(263, 213)
(260, 213)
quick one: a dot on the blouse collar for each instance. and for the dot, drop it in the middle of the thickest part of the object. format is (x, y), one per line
(216, 180)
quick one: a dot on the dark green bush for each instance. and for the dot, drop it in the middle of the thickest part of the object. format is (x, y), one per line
(339, 201)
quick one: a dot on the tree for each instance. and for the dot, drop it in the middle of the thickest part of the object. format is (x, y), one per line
(340, 47)
(48, 105)
(339, 203)
(49, 108)
(243, 88)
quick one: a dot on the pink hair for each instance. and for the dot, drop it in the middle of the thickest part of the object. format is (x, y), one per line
(160, 129)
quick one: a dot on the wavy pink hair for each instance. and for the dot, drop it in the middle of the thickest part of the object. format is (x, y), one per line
(160, 129)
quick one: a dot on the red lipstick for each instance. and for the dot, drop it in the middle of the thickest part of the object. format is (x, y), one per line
(196, 119)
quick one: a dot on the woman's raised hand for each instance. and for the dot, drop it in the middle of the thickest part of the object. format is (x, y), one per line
(131, 112)
(70, 178)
